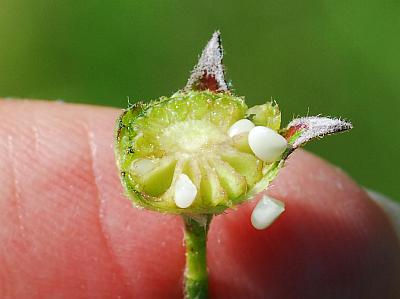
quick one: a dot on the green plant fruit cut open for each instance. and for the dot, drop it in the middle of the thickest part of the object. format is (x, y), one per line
(187, 133)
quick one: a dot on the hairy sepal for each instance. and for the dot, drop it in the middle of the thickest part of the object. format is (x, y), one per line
(301, 130)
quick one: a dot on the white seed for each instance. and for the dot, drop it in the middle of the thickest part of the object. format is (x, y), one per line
(266, 212)
(266, 144)
(241, 126)
(143, 166)
(185, 191)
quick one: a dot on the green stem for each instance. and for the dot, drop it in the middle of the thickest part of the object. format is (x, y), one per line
(196, 275)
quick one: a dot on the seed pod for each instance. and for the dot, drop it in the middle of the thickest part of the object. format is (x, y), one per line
(201, 150)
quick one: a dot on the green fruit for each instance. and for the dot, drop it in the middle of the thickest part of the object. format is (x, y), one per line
(187, 134)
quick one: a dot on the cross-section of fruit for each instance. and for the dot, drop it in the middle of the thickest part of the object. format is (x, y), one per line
(189, 152)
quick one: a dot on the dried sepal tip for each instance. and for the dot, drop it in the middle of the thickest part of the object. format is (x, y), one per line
(300, 130)
(209, 71)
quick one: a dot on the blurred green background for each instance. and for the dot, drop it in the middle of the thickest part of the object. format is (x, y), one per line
(339, 58)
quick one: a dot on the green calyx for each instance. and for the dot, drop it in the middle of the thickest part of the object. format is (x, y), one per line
(187, 133)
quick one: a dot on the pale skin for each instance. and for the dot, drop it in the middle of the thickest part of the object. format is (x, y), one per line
(67, 231)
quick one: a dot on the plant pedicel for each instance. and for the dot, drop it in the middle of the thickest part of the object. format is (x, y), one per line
(202, 151)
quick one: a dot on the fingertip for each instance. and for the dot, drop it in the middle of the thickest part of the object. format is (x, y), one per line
(389, 206)
(331, 242)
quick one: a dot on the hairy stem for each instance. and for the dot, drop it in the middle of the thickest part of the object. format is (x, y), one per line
(196, 275)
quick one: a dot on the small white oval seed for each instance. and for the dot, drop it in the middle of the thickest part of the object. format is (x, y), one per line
(143, 166)
(241, 126)
(185, 191)
(266, 212)
(266, 144)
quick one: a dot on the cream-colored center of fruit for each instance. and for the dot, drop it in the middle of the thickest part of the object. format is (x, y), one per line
(191, 136)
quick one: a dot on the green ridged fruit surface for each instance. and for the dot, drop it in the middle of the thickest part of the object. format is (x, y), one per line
(187, 134)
